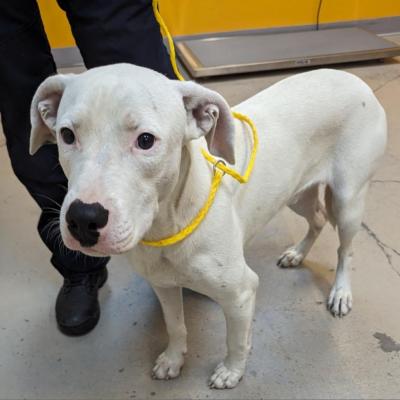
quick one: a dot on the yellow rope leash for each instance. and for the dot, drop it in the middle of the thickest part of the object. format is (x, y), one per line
(195, 222)
(165, 32)
(219, 166)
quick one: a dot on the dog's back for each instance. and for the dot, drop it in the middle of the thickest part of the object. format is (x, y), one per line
(323, 126)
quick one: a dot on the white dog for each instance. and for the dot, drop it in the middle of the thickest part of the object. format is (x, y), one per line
(130, 143)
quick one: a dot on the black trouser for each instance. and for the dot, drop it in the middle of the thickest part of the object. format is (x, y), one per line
(106, 32)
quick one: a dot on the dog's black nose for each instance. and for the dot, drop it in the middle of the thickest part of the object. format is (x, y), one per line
(84, 221)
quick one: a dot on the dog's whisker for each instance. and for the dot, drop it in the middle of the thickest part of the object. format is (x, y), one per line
(49, 198)
(54, 232)
(61, 245)
(50, 226)
(51, 211)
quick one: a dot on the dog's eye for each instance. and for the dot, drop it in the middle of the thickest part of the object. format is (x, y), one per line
(145, 141)
(67, 135)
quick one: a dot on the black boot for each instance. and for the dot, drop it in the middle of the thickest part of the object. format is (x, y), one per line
(77, 305)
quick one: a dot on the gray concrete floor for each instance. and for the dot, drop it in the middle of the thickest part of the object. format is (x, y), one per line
(299, 350)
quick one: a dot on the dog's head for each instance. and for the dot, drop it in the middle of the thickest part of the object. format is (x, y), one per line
(120, 132)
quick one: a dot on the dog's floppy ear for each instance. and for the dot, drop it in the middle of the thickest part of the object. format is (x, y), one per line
(44, 111)
(209, 115)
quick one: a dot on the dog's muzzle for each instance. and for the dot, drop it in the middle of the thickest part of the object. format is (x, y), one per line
(84, 221)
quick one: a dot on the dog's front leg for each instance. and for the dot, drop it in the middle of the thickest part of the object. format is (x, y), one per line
(238, 306)
(169, 363)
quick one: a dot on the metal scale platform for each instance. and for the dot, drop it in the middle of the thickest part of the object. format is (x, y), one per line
(263, 52)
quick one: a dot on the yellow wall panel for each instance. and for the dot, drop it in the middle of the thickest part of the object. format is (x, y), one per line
(186, 17)
(345, 10)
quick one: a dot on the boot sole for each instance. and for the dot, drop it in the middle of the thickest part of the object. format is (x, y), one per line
(81, 329)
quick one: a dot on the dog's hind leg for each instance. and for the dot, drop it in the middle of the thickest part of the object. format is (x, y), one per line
(308, 206)
(169, 363)
(347, 210)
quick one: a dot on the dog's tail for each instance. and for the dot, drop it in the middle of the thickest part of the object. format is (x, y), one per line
(329, 206)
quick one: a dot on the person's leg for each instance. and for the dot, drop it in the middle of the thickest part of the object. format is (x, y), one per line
(109, 32)
(25, 61)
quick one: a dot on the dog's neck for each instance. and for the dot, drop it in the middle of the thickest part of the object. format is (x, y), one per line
(192, 187)
(178, 208)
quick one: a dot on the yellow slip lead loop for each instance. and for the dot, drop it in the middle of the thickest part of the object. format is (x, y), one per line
(220, 169)
(219, 166)
(185, 232)
(230, 171)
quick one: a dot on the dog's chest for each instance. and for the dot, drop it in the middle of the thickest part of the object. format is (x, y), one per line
(161, 269)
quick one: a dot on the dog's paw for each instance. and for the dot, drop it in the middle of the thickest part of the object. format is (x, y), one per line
(290, 258)
(225, 378)
(167, 367)
(340, 301)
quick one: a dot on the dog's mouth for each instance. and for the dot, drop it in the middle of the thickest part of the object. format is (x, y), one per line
(104, 247)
